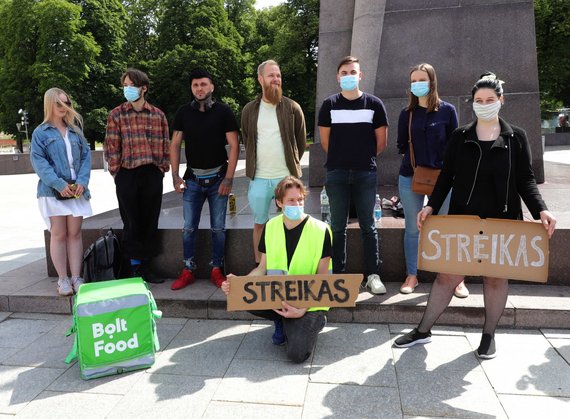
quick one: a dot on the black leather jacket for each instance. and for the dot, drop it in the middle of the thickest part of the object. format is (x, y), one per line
(511, 160)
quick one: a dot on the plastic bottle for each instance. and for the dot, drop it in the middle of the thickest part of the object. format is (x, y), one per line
(325, 207)
(378, 210)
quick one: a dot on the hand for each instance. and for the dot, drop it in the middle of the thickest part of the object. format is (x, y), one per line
(79, 189)
(226, 284)
(290, 312)
(178, 182)
(68, 191)
(548, 221)
(226, 186)
(423, 214)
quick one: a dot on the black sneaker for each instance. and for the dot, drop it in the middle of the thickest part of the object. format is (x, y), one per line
(486, 349)
(412, 338)
(146, 274)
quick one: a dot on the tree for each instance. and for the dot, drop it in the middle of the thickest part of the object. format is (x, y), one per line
(42, 46)
(552, 22)
(197, 33)
(293, 31)
(105, 21)
(141, 40)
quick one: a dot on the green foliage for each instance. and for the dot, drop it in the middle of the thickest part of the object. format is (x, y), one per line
(42, 46)
(552, 21)
(197, 34)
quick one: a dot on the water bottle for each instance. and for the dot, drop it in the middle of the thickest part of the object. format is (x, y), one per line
(325, 207)
(378, 209)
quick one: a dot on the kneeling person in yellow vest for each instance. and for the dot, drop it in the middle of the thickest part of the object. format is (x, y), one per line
(293, 243)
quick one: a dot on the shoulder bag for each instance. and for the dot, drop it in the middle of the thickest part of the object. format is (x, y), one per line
(424, 177)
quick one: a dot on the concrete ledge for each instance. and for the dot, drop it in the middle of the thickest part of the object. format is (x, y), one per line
(528, 306)
(17, 164)
(559, 138)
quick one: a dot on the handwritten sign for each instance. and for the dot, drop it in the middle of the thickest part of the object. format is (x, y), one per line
(469, 245)
(301, 291)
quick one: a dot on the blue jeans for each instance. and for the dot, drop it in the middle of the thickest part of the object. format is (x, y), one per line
(413, 203)
(360, 187)
(193, 201)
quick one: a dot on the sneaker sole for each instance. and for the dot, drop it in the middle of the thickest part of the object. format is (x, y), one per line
(65, 295)
(381, 292)
(485, 356)
(415, 342)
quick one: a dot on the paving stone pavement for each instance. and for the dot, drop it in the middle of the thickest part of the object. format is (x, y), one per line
(229, 368)
(218, 368)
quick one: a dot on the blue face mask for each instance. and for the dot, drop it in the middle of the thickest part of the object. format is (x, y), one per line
(349, 82)
(132, 93)
(293, 212)
(420, 88)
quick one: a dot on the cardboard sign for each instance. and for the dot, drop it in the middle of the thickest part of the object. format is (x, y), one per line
(301, 291)
(468, 245)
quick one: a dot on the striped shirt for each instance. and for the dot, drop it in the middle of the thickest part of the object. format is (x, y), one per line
(352, 142)
(136, 139)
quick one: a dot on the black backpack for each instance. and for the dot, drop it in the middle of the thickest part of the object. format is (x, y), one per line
(102, 260)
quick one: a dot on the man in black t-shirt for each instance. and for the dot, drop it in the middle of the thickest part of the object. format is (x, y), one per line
(353, 128)
(206, 125)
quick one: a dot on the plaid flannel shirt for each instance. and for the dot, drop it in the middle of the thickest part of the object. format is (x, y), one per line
(135, 139)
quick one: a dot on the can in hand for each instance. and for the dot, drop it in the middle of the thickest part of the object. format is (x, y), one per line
(232, 203)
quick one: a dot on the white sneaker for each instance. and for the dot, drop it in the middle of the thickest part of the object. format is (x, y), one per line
(374, 283)
(64, 287)
(76, 283)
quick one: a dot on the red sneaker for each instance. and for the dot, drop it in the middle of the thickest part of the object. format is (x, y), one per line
(185, 278)
(217, 277)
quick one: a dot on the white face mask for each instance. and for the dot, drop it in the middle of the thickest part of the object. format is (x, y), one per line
(487, 112)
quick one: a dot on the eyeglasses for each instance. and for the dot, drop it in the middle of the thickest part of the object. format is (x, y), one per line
(61, 104)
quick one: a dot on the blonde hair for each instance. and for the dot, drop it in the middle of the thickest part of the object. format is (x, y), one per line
(289, 182)
(51, 98)
(261, 66)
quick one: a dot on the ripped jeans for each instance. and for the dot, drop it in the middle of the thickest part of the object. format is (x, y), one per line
(193, 201)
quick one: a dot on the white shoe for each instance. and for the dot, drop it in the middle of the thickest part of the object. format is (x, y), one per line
(64, 287)
(76, 283)
(374, 283)
(461, 291)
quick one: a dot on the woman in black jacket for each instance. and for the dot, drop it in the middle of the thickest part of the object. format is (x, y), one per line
(488, 165)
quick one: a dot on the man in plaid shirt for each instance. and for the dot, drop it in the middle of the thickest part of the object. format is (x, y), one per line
(137, 151)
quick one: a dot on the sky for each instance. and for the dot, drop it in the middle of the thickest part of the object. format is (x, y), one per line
(260, 4)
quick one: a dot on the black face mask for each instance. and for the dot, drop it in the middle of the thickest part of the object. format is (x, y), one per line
(208, 103)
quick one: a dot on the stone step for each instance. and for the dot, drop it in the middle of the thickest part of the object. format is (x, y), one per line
(29, 289)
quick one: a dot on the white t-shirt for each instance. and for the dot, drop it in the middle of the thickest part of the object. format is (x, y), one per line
(270, 162)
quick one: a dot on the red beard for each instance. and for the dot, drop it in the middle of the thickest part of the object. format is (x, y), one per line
(273, 93)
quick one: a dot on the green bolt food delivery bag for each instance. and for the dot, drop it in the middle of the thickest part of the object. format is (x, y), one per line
(115, 329)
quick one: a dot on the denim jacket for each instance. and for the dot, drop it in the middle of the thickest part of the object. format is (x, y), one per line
(48, 156)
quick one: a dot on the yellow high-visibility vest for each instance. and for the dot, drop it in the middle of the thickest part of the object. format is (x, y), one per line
(307, 254)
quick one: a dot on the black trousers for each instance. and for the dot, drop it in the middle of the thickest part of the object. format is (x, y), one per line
(301, 333)
(139, 192)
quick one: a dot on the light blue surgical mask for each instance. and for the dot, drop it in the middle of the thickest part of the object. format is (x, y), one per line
(132, 93)
(349, 82)
(293, 212)
(420, 88)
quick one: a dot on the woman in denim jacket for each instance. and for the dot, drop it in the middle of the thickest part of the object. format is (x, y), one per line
(61, 158)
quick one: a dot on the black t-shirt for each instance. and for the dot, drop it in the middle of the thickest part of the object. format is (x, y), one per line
(292, 238)
(484, 200)
(205, 134)
(352, 142)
